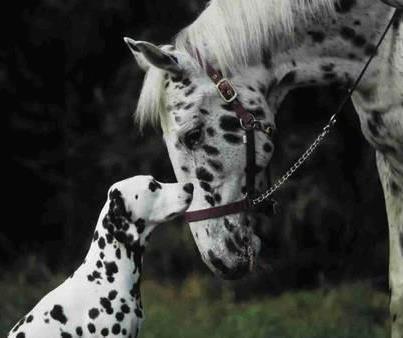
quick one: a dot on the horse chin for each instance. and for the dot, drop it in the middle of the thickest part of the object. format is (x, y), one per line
(229, 256)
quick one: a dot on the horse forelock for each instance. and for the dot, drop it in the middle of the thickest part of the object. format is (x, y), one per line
(235, 33)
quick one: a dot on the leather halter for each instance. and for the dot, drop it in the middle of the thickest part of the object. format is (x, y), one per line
(249, 123)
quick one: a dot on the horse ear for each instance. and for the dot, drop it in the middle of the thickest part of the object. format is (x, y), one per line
(147, 54)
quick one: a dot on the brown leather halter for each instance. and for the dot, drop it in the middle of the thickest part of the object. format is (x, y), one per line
(263, 203)
(249, 124)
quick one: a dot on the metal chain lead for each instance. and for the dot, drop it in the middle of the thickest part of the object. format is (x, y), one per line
(326, 130)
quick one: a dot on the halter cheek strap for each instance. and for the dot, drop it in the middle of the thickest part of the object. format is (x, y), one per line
(249, 124)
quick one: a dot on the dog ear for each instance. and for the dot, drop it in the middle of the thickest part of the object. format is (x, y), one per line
(147, 54)
(118, 220)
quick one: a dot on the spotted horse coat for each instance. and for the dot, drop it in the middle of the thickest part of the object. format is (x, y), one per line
(268, 48)
(102, 297)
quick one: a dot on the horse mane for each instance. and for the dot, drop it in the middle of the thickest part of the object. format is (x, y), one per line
(235, 33)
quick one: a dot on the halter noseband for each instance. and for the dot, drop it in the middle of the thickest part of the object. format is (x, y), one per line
(249, 124)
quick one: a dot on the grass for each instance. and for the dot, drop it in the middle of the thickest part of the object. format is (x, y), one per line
(194, 310)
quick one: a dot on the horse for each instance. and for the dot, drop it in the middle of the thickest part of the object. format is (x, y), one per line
(258, 51)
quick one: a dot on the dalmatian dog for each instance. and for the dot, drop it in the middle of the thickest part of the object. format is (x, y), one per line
(102, 297)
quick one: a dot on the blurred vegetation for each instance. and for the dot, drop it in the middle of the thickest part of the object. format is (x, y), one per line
(71, 87)
(194, 308)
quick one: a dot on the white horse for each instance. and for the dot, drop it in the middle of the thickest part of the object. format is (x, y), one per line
(267, 48)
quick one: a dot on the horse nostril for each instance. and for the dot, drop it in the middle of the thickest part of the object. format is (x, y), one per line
(188, 188)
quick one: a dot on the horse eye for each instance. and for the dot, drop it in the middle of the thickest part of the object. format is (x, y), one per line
(193, 138)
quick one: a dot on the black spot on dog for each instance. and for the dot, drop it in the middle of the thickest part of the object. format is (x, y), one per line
(20, 335)
(154, 185)
(125, 308)
(229, 123)
(344, 6)
(140, 225)
(112, 294)
(106, 304)
(210, 150)
(66, 335)
(395, 189)
(105, 332)
(116, 329)
(185, 169)
(57, 314)
(328, 67)
(110, 268)
(119, 316)
(101, 243)
(204, 112)
(96, 235)
(232, 139)
(217, 198)
(188, 106)
(93, 313)
(190, 91)
(138, 313)
(118, 253)
(91, 328)
(30, 318)
(79, 331)
(99, 264)
(204, 175)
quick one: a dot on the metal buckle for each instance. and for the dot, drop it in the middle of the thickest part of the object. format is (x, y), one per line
(226, 90)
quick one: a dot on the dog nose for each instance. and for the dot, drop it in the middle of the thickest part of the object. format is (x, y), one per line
(188, 187)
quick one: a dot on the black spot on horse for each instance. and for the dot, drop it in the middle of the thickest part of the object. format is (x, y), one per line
(230, 244)
(229, 123)
(344, 6)
(204, 175)
(317, 36)
(370, 50)
(154, 185)
(289, 78)
(233, 139)
(210, 150)
(185, 169)
(205, 186)
(204, 112)
(210, 131)
(210, 200)
(347, 33)
(188, 187)
(57, 314)
(217, 262)
(267, 147)
(359, 41)
(216, 165)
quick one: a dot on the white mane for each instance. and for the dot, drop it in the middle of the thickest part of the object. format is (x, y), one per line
(235, 33)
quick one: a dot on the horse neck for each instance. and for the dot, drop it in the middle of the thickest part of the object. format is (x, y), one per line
(107, 255)
(332, 52)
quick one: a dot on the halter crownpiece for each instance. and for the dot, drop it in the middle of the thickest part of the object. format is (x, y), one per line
(263, 202)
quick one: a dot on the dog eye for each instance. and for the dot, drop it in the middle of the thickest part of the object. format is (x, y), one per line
(193, 138)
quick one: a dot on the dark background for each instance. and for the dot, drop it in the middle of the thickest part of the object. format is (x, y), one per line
(71, 87)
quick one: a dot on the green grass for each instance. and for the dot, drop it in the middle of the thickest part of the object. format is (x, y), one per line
(193, 310)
